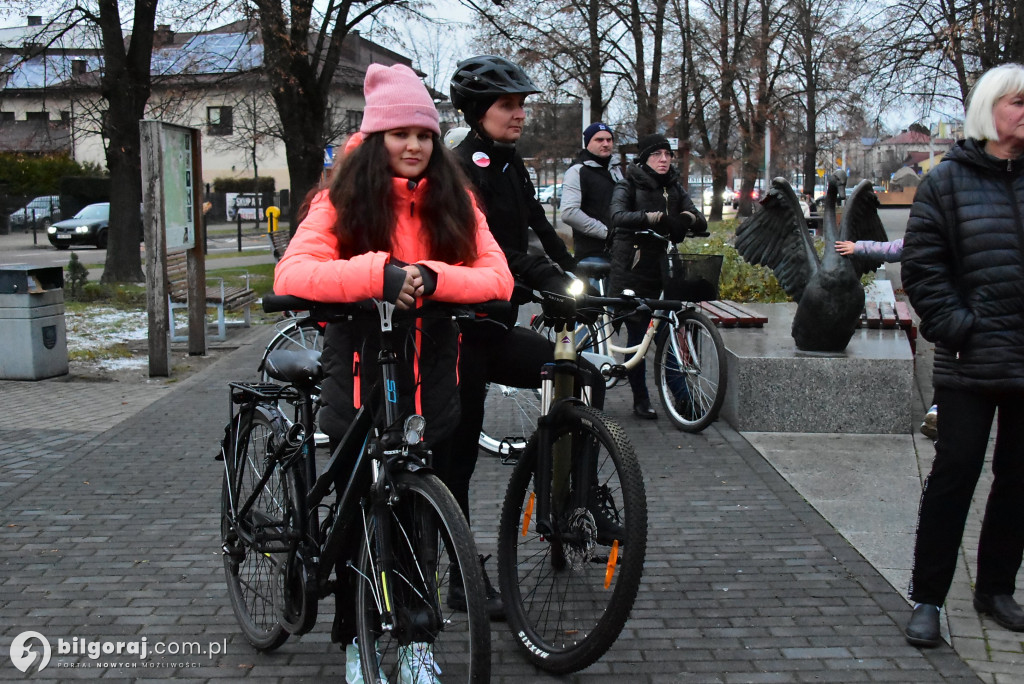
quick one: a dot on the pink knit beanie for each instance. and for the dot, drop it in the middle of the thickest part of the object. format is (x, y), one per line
(395, 98)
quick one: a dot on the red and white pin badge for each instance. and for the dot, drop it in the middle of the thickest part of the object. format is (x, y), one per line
(481, 159)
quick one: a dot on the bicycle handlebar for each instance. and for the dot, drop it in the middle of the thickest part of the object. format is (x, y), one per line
(367, 308)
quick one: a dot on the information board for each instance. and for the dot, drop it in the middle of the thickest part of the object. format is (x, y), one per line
(179, 189)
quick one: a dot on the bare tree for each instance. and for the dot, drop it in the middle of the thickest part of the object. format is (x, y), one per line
(935, 49)
(569, 42)
(302, 50)
(718, 51)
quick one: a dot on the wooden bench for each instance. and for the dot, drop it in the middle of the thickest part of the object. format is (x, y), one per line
(728, 314)
(890, 315)
(278, 242)
(222, 298)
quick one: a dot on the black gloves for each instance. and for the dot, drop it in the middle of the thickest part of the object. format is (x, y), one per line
(676, 226)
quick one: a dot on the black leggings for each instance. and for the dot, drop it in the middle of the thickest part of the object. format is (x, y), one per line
(510, 356)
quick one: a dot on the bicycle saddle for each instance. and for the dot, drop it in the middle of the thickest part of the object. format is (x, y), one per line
(299, 368)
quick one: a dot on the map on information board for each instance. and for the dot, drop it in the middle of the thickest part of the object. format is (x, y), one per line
(179, 192)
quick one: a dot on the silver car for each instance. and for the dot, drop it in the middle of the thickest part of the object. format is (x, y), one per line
(42, 211)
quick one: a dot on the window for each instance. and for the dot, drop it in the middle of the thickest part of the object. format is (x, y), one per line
(218, 120)
(353, 120)
(37, 116)
(6, 116)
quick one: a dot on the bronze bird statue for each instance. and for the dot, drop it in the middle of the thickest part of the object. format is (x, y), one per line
(828, 292)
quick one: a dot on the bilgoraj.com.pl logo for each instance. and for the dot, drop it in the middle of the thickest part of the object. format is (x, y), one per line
(31, 651)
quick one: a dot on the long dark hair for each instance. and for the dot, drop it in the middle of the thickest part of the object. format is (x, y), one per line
(361, 192)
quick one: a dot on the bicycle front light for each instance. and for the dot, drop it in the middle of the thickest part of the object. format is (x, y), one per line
(413, 429)
(577, 287)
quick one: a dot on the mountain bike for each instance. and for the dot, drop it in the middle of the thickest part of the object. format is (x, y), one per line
(573, 531)
(288, 529)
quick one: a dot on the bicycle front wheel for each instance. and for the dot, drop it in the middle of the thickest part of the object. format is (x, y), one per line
(407, 626)
(510, 417)
(568, 595)
(690, 371)
(254, 576)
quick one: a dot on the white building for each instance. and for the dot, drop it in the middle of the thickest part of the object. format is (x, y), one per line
(211, 80)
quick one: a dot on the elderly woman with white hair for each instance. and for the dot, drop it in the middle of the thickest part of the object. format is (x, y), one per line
(963, 269)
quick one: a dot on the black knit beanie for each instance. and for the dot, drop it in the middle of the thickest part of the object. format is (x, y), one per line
(648, 144)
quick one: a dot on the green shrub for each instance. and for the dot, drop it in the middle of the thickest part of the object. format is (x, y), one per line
(77, 276)
(740, 282)
(30, 176)
(266, 184)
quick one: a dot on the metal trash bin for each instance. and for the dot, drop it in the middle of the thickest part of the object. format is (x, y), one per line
(33, 335)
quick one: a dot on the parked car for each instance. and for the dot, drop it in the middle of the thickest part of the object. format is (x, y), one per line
(88, 227)
(755, 195)
(549, 194)
(728, 196)
(43, 210)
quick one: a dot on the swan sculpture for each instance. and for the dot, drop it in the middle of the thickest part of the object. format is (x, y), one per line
(828, 292)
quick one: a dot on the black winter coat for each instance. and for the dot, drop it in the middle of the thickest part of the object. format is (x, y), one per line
(506, 196)
(637, 260)
(963, 268)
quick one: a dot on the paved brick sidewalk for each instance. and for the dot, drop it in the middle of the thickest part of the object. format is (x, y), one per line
(113, 535)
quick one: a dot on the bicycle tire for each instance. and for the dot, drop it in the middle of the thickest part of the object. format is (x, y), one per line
(690, 371)
(432, 549)
(565, 620)
(510, 417)
(253, 577)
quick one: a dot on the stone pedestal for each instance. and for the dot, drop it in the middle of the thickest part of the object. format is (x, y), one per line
(774, 387)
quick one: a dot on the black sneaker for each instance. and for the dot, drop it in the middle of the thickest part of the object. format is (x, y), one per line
(493, 604)
(606, 519)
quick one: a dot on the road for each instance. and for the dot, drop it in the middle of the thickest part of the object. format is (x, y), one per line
(18, 248)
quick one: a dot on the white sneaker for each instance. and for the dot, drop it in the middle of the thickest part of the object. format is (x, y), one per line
(930, 426)
(417, 665)
(354, 666)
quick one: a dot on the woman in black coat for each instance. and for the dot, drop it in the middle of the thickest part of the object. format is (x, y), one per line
(963, 269)
(650, 197)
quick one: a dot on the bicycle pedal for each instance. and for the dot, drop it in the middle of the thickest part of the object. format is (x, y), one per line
(616, 371)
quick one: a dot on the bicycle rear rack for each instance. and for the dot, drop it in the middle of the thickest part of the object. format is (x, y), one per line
(243, 392)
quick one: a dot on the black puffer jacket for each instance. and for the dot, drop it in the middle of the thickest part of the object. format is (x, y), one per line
(636, 260)
(963, 268)
(506, 196)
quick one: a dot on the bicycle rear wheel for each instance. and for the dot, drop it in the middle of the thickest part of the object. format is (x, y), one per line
(568, 595)
(253, 576)
(690, 371)
(510, 417)
(432, 554)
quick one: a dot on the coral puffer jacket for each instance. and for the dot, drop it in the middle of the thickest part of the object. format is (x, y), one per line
(313, 269)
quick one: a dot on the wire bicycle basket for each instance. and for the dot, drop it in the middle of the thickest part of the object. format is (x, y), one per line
(691, 277)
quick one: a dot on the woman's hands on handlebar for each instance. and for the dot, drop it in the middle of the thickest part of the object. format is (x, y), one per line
(412, 288)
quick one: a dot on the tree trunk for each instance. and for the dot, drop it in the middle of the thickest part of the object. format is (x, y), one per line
(126, 86)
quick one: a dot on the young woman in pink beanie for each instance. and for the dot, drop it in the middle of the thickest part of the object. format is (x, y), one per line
(396, 222)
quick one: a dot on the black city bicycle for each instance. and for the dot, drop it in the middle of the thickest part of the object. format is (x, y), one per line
(573, 531)
(286, 527)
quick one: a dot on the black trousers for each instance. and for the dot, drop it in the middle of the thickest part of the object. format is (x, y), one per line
(965, 419)
(636, 328)
(509, 356)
